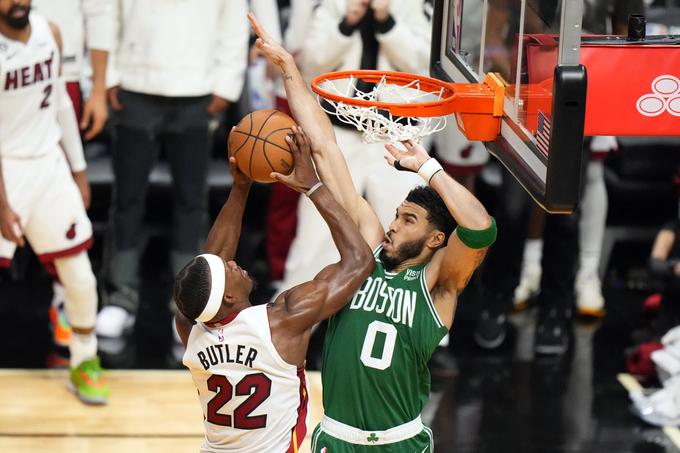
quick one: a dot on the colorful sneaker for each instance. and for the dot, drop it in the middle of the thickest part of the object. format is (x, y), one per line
(88, 384)
(61, 329)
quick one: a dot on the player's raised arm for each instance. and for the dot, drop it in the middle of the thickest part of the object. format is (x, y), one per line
(451, 267)
(225, 233)
(333, 286)
(329, 160)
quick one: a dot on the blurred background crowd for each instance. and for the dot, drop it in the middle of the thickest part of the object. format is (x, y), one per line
(158, 85)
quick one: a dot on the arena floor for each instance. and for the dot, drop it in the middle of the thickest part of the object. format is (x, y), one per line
(150, 411)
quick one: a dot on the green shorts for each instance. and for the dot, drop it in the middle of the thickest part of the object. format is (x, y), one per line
(325, 443)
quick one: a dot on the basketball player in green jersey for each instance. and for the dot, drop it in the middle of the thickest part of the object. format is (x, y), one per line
(375, 375)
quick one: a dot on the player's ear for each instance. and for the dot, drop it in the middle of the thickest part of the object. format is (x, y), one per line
(436, 239)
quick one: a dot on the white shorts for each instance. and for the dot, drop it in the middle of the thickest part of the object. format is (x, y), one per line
(460, 156)
(53, 218)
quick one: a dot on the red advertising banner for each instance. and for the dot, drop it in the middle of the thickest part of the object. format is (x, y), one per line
(632, 89)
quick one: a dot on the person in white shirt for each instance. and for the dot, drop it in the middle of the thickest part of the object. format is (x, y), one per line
(83, 24)
(174, 65)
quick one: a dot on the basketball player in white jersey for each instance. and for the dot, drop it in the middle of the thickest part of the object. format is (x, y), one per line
(83, 24)
(41, 198)
(248, 361)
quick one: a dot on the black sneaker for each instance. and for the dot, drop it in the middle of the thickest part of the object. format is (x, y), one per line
(491, 329)
(443, 364)
(552, 332)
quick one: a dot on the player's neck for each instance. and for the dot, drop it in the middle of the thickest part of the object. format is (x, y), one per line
(415, 261)
(15, 34)
(228, 310)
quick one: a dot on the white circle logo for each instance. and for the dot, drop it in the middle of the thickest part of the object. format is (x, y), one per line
(666, 85)
(651, 105)
(673, 105)
(665, 97)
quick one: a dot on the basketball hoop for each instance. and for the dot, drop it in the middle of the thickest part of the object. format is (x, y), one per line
(395, 106)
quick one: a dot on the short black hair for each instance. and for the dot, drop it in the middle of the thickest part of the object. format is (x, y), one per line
(437, 213)
(192, 288)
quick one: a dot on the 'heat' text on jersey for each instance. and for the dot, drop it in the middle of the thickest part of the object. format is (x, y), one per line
(397, 304)
(28, 75)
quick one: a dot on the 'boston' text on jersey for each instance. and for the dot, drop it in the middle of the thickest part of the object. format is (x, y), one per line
(374, 295)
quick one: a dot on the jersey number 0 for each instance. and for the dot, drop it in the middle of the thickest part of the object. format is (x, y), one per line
(385, 360)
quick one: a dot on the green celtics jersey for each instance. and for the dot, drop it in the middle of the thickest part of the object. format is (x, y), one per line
(375, 373)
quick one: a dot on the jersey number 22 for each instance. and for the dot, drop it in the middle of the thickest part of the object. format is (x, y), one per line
(257, 386)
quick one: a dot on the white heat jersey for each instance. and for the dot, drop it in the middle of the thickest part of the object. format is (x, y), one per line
(252, 400)
(29, 74)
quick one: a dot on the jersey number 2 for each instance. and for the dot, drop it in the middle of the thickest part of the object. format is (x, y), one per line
(46, 100)
(262, 386)
(385, 360)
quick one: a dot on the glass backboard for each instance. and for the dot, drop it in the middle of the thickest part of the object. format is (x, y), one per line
(534, 46)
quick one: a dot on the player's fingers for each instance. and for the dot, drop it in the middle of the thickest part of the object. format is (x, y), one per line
(393, 150)
(409, 144)
(292, 143)
(230, 151)
(97, 126)
(257, 28)
(232, 162)
(18, 233)
(280, 177)
(87, 117)
(390, 159)
(301, 139)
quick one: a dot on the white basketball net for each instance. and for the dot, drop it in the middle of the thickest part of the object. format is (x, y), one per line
(380, 125)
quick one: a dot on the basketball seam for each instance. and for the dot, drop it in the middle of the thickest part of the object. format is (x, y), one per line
(264, 148)
(266, 141)
(250, 129)
(252, 150)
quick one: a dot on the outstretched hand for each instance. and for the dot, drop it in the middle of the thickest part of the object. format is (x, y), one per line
(410, 159)
(303, 176)
(271, 49)
(236, 174)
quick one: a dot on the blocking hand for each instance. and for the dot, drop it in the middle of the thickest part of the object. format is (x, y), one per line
(303, 176)
(410, 159)
(272, 50)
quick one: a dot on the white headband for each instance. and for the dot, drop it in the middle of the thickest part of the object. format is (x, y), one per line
(216, 287)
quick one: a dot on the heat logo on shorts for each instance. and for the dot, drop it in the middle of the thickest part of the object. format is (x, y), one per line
(665, 97)
(71, 233)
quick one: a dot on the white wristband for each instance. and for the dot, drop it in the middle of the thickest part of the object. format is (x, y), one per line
(429, 169)
(313, 189)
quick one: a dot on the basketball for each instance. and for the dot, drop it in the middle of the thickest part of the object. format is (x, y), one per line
(259, 144)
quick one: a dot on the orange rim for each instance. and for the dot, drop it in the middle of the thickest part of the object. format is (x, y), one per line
(442, 107)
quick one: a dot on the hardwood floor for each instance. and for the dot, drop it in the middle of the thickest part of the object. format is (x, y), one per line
(149, 411)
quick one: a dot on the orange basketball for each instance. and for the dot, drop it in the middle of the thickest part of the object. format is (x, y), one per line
(259, 144)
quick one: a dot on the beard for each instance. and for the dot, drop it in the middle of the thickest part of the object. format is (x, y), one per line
(17, 22)
(404, 252)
